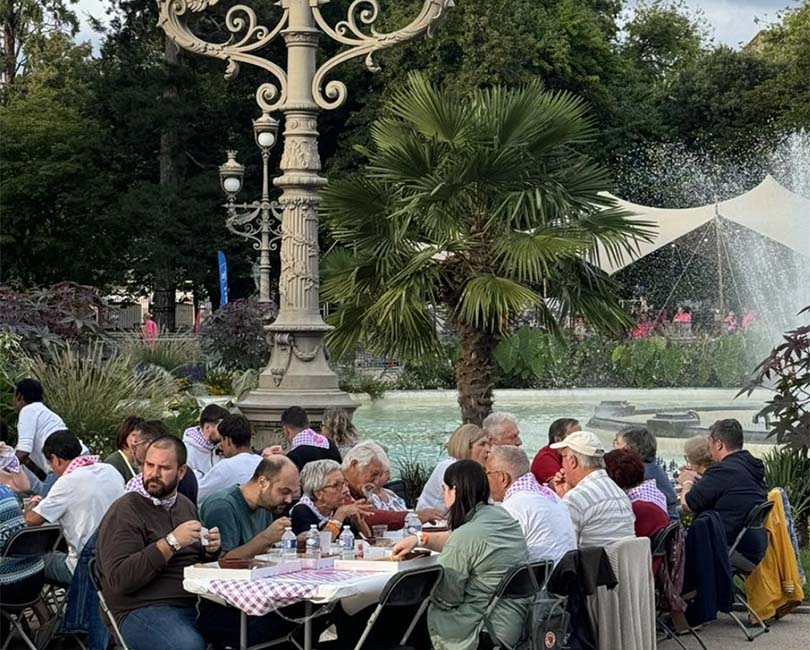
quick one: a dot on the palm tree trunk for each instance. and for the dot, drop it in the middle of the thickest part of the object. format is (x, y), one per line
(475, 373)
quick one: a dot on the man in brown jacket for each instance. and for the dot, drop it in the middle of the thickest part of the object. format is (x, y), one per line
(145, 541)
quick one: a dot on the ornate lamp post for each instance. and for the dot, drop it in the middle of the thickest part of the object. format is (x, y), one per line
(298, 372)
(242, 217)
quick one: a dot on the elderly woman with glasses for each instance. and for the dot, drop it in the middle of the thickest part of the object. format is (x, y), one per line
(326, 502)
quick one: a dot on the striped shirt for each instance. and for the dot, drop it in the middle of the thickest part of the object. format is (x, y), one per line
(600, 510)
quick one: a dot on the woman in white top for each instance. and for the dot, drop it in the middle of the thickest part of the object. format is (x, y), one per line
(468, 442)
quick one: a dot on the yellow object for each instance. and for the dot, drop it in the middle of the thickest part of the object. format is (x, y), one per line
(776, 580)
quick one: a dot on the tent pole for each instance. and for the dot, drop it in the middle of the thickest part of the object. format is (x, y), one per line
(720, 278)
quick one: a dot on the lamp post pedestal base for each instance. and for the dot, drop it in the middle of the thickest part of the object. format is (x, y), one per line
(264, 406)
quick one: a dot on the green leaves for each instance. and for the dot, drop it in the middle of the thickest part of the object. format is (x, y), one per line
(488, 300)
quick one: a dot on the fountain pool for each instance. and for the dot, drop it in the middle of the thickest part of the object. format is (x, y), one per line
(417, 423)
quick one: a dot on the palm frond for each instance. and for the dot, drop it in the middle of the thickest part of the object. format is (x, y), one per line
(488, 300)
(527, 256)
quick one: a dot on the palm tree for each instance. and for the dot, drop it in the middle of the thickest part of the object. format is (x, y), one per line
(469, 208)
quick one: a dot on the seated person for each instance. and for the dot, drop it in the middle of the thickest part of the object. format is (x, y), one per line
(145, 541)
(383, 498)
(337, 426)
(599, 509)
(238, 461)
(12, 473)
(83, 492)
(248, 517)
(145, 433)
(548, 461)
(732, 486)
(123, 458)
(541, 514)
(469, 441)
(326, 502)
(201, 441)
(502, 429)
(362, 467)
(698, 455)
(644, 442)
(649, 505)
(484, 543)
(304, 444)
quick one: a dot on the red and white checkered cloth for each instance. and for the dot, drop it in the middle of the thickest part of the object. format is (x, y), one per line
(260, 597)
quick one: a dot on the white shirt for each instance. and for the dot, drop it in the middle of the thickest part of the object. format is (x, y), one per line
(433, 493)
(545, 523)
(236, 470)
(600, 510)
(36, 422)
(199, 460)
(78, 501)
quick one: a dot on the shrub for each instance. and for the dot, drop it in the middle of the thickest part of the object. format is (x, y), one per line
(789, 469)
(167, 352)
(219, 381)
(93, 393)
(430, 372)
(354, 381)
(413, 472)
(234, 335)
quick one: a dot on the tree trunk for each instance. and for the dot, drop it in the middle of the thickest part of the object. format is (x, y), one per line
(165, 297)
(475, 371)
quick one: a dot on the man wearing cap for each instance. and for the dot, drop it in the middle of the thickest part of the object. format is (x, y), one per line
(600, 510)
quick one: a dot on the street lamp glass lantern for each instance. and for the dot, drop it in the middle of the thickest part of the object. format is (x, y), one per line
(231, 174)
(265, 131)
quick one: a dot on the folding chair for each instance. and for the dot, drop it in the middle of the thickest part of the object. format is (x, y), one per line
(741, 567)
(95, 578)
(519, 583)
(661, 543)
(405, 589)
(25, 543)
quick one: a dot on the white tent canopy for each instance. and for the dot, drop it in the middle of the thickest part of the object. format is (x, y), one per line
(769, 209)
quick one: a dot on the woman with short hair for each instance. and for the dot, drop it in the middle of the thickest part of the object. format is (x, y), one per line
(649, 504)
(468, 442)
(698, 455)
(123, 458)
(643, 441)
(484, 544)
(326, 502)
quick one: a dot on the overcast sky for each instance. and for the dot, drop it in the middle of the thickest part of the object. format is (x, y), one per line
(733, 20)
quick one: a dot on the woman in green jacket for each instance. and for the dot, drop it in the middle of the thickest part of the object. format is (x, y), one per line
(484, 543)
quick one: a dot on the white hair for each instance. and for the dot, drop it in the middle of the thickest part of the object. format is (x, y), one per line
(496, 419)
(589, 462)
(513, 460)
(364, 453)
(313, 476)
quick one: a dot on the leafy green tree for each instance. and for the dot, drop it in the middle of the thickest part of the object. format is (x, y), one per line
(470, 205)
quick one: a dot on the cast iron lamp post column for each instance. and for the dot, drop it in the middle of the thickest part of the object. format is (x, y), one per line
(298, 372)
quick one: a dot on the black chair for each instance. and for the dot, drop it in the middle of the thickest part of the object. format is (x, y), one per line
(661, 544)
(15, 599)
(741, 567)
(410, 588)
(398, 488)
(518, 584)
(95, 578)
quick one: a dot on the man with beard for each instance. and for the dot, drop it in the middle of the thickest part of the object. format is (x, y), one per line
(245, 515)
(145, 541)
(145, 433)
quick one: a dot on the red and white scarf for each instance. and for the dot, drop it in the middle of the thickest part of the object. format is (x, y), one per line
(309, 503)
(648, 491)
(80, 461)
(195, 436)
(8, 459)
(527, 483)
(136, 485)
(309, 438)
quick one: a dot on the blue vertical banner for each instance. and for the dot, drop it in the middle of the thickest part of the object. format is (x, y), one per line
(223, 278)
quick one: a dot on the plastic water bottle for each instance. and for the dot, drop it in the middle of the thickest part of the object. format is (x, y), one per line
(289, 545)
(413, 524)
(347, 544)
(313, 551)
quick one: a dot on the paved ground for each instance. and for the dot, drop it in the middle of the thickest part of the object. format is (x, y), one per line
(791, 633)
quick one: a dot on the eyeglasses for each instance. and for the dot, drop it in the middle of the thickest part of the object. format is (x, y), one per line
(337, 485)
(500, 471)
(138, 443)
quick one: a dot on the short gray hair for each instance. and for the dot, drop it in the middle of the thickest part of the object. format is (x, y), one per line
(642, 440)
(364, 453)
(495, 419)
(513, 460)
(589, 462)
(313, 476)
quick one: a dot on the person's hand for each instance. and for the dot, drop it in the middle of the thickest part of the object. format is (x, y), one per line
(687, 476)
(429, 515)
(274, 531)
(214, 541)
(32, 502)
(187, 533)
(403, 547)
(558, 483)
(358, 509)
(272, 450)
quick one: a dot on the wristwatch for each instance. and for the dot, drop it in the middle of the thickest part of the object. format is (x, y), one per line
(171, 540)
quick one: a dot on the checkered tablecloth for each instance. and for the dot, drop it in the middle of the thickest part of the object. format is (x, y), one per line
(260, 597)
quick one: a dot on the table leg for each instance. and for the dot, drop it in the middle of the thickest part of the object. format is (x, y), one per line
(307, 625)
(243, 641)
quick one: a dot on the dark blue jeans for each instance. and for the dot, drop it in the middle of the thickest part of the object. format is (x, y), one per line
(164, 627)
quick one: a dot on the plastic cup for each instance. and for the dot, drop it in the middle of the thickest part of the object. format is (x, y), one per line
(379, 531)
(326, 542)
